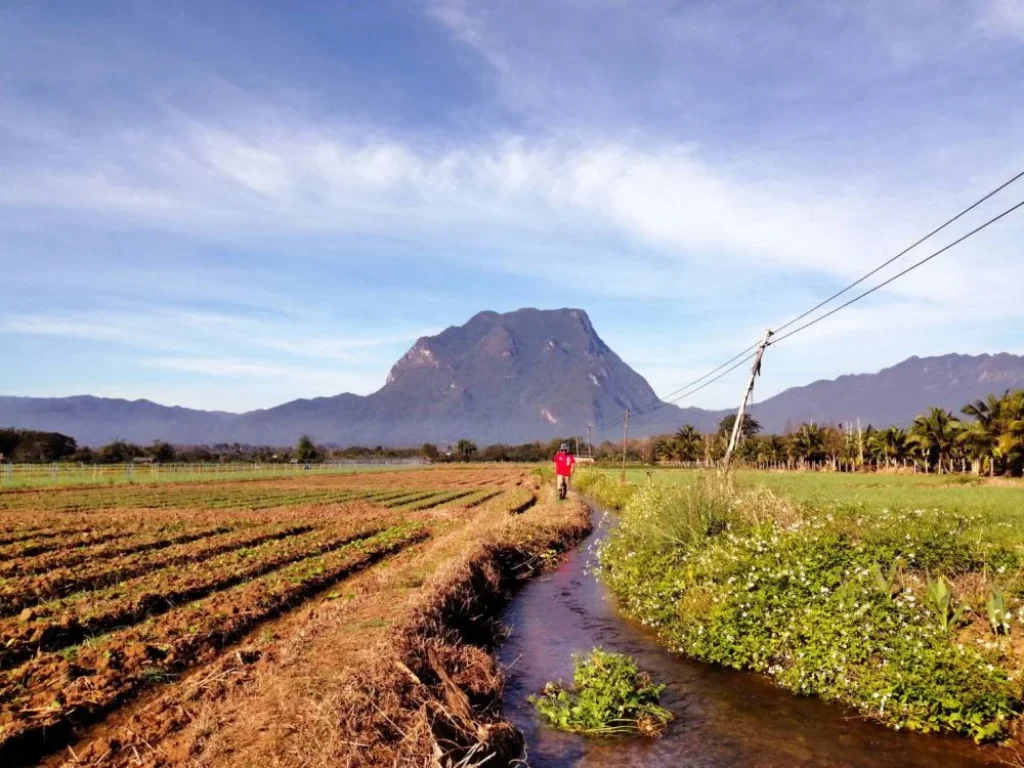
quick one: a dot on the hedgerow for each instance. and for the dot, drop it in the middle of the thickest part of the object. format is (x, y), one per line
(844, 604)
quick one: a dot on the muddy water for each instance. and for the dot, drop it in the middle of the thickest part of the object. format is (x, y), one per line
(722, 717)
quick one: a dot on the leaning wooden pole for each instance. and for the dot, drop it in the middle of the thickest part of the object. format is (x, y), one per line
(755, 371)
(625, 437)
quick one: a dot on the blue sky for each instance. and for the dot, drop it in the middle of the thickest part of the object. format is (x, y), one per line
(229, 205)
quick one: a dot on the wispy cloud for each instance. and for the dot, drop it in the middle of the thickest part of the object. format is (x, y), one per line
(1003, 18)
(688, 172)
(242, 369)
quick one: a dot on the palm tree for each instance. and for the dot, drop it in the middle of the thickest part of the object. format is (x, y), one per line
(770, 449)
(1010, 444)
(466, 449)
(980, 437)
(667, 449)
(890, 446)
(689, 443)
(808, 443)
(936, 433)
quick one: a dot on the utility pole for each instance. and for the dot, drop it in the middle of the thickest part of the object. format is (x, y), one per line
(625, 433)
(860, 445)
(577, 446)
(590, 450)
(755, 371)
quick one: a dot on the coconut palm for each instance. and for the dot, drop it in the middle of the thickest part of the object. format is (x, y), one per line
(1010, 444)
(890, 446)
(690, 443)
(808, 443)
(980, 438)
(771, 448)
(936, 433)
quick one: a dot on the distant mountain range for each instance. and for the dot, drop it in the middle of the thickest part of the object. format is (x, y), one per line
(525, 375)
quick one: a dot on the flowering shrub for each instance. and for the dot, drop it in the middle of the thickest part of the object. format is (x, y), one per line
(832, 603)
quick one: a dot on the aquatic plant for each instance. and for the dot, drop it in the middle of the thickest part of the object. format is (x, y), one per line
(610, 695)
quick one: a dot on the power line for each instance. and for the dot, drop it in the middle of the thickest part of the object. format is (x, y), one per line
(688, 389)
(713, 370)
(898, 275)
(683, 396)
(902, 253)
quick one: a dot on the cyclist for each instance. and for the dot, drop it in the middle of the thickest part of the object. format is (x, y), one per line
(565, 463)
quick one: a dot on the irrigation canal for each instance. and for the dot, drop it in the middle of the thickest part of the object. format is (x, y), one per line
(722, 717)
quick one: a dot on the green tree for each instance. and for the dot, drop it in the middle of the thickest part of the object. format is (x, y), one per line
(936, 432)
(808, 443)
(690, 443)
(772, 448)
(890, 446)
(749, 428)
(119, 452)
(465, 449)
(305, 449)
(429, 451)
(162, 452)
(996, 434)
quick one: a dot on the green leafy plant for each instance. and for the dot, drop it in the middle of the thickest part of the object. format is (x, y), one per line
(800, 596)
(998, 613)
(885, 581)
(940, 600)
(610, 695)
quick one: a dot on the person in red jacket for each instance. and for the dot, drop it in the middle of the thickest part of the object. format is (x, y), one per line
(565, 463)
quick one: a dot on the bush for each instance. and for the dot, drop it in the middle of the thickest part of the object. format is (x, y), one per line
(603, 489)
(828, 603)
(610, 695)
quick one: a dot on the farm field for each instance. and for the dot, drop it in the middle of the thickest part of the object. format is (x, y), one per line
(241, 621)
(999, 500)
(69, 474)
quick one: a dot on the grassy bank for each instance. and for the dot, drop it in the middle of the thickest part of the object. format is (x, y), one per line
(910, 614)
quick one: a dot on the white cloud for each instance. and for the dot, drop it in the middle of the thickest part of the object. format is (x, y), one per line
(1003, 18)
(713, 197)
(170, 329)
(507, 197)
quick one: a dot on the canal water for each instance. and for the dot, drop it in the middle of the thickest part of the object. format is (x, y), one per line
(722, 717)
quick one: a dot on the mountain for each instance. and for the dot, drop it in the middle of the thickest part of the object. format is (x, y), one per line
(499, 378)
(894, 395)
(514, 377)
(99, 420)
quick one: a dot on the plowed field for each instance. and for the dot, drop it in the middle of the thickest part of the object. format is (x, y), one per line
(123, 610)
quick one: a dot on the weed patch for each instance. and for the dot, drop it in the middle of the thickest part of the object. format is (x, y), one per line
(852, 607)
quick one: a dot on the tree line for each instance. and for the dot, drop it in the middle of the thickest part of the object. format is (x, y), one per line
(33, 446)
(987, 438)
